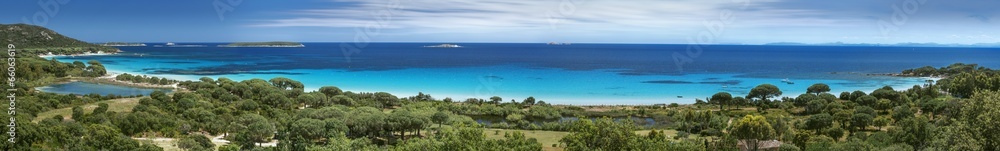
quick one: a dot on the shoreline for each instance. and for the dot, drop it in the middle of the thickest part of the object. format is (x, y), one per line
(110, 79)
(600, 94)
(567, 99)
(50, 56)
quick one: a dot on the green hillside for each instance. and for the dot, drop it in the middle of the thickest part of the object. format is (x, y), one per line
(31, 39)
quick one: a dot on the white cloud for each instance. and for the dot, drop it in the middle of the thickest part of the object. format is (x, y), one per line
(654, 20)
(505, 15)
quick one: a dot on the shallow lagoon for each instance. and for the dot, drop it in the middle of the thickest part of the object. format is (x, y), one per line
(581, 74)
(83, 88)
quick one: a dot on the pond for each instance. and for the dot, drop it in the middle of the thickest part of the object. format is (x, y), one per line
(83, 88)
(488, 120)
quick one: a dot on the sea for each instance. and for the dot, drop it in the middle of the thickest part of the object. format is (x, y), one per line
(577, 74)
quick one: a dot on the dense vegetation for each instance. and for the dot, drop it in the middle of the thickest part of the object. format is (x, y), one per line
(33, 71)
(260, 111)
(956, 113)
(144, 79)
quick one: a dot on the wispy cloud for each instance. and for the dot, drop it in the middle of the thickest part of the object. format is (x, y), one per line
(503, 14)
(766, 20)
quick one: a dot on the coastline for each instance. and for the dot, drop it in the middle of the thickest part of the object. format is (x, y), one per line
(50, 55)
(110, 79)
(553, 85)
(463, 86)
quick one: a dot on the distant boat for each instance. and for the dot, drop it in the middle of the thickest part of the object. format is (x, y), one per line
(556, 43)
(170, 44)
(444, 46)
(787, 81)
(680, 96)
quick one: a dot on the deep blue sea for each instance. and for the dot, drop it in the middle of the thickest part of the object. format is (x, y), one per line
(558, 74)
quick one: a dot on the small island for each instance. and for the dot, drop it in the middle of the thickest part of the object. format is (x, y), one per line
(264, 44)
(122, 44)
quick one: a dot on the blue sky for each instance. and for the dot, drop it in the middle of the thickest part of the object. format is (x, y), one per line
(579, 21)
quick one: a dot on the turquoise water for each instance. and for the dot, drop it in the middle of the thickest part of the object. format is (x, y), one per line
(578, 74)
(83, 88)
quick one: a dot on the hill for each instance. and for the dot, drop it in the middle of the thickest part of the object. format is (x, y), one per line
(31, 39)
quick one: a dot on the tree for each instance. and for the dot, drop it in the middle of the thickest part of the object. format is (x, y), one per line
(763, 92)
(496, 100)
(857, 94)
(310, 129)
(866, 100)
(916, 132)
(195, 142)
(967, 83)
(834, 107)
(387, 100)
(861, 120)
(721, 98)
(834, 132)
(253, 128)
(656, 135)
(815, 106)
(818, 88)
(601, 134)
(819, 121)
(314, 100)
(883, 104)
(207, 80)
(979, 115)
(77, 113)
(104, 137)
(819, 143)
(516, 119)
(803, 99)
(886, 94)
(440, 117)
(752, 129)
(864, 110)
(529, 101)
(286, 83)
(845, 95)
(843, 117)
(901, 112)
(330, 91)
(881, 121)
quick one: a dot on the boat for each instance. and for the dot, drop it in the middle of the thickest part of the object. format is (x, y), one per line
(556, 43)
(170, 44)
(680, 96)
(787, 81)
(444, 46)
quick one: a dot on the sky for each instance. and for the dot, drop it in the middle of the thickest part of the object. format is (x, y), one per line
(575, 21)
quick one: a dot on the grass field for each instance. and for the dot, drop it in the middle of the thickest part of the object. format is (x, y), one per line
(166, 144)
(546, 138)
(115, 105)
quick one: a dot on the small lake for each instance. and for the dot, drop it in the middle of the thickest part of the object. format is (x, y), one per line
(83, 88)
(488, 120)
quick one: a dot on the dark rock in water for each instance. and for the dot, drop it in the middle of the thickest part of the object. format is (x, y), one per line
(494, 77)
(728, 82)
(180, 62)
(668, 82)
